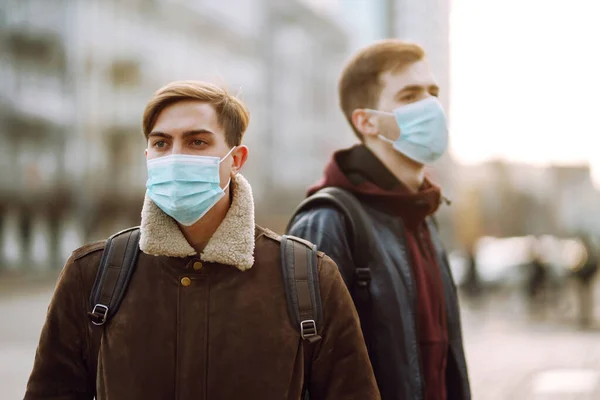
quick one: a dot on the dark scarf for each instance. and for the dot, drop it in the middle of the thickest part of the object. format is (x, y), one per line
(359, 171)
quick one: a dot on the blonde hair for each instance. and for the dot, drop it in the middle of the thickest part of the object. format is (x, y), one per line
(232, 114)
(359, 85)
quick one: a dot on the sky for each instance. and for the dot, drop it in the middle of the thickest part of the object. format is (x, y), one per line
(525, 78)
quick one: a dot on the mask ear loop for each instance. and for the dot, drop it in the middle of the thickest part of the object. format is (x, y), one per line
(390, 141)
(227, 186)
(227, 155)
(223, 159)
(385, 113)
(378, 112)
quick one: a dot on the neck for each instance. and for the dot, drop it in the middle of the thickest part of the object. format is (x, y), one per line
(407, 171)
(199, 234)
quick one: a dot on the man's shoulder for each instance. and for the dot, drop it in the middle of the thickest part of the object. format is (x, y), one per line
(96, 248)
(325, 215)
(322, 210)
(85, 260)
(267, 234)
(79, 272)
(327, 268)
(88, 249)
(274, 239)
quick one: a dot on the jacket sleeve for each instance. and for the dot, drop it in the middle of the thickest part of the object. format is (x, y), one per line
(326, 228)
(341, 368)
(60, 370)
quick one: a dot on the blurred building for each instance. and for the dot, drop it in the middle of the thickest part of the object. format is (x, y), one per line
(76, 75)
(304, 124)
(515, 199)
(576, 199)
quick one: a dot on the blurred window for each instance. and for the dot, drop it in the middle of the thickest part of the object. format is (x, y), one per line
(125, 73)
(44, 50)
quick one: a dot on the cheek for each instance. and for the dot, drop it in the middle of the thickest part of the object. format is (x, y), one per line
(389, 128)
(387, 102)
(151, 153)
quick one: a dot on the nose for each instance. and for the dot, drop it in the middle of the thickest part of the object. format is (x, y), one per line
(177, 147)
(425, 95)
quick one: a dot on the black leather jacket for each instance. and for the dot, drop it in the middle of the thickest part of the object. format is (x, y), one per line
(393, 347)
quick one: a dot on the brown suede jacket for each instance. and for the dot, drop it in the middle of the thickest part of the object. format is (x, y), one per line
(223, 333)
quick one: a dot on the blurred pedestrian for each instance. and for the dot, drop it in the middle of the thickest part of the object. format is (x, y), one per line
(537, 283)
(585, 276)
(472, 283)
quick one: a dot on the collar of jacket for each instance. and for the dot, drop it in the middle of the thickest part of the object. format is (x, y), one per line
(232, 243)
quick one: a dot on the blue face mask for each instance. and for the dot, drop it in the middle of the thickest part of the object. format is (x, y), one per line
(185, 187)
(423, 130)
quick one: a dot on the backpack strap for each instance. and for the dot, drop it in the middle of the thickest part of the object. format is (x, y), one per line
(301, 281)
(360, 235)
(361, 240)
(114, 273)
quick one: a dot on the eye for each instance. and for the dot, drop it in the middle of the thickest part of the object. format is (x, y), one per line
(159, 144)
(409, 98)
(198, 142)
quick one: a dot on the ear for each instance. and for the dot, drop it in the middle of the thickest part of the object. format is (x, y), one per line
(146, 153)
(239, 157)
(365, 122)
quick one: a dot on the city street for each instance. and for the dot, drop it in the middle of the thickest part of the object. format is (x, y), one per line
(511, 358)
(508, 357)
(22, 316)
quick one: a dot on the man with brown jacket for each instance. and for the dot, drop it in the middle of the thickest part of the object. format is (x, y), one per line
(205, 314)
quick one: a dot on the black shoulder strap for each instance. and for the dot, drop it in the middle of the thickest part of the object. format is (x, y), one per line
(301, 281)
(114, 273)
(361, 237)
(361, 240)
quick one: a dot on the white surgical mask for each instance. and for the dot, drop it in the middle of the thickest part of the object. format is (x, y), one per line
(185, 187)
(423, 130)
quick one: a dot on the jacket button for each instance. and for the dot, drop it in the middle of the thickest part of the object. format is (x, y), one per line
(197, 265)
(185, 281)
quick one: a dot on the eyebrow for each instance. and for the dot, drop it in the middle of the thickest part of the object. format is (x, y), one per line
(418, 88)
(185, 134)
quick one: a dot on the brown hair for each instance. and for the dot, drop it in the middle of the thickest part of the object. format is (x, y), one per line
(232, 114)
(359, 85)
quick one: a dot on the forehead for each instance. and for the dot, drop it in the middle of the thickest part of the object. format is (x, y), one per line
(187, 115)
(415, 74)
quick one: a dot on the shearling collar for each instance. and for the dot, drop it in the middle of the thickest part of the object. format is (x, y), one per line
(231, 244)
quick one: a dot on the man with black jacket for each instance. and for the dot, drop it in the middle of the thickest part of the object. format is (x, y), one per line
(410, 316)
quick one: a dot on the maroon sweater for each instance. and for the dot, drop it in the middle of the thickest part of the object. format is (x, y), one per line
(360, 171)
